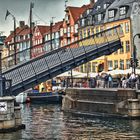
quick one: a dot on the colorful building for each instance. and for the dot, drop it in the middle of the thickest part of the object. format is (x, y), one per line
(104, 15)
(69, 30)
(22, 42)
(38, 40)
(52, 37)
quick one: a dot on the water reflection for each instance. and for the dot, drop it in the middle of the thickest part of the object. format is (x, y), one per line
(48, 122)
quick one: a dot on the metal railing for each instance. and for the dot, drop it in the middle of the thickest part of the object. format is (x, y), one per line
(50, 64)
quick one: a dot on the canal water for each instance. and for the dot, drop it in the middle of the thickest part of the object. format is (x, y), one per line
(48, 122)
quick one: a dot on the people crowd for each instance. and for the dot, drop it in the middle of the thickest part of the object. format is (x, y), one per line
(104, 80)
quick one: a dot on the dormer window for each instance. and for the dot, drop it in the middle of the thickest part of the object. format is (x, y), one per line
(122, 11)
(111, 13)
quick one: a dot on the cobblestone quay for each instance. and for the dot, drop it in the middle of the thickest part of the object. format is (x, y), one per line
(122, 103)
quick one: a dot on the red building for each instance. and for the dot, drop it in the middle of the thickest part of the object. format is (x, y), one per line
(38, 40)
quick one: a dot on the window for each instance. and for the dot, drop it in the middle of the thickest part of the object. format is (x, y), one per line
(127, 64)
(127, 46)
(85, 67)
(99, 17)
(110, 65)
(72, 29)
(94, 66)
(121, 29)
(76, 28)
(83, 22)
(68, 29)
(61, 32)
(88, 32)
(111, 13)
(84, 33)
(122, 64)
(122, 11)
(126, 27)
(92, 31)
(80, 35)
(122, 49)
(115, 64)
(81, 69)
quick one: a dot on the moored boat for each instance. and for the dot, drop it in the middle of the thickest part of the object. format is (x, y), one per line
(46, 97)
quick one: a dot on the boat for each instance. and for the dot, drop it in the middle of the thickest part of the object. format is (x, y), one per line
(46, 97)
(21, 97)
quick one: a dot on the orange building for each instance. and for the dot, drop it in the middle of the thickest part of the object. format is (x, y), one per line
(69, 30)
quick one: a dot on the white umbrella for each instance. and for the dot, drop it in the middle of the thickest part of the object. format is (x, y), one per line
(116, 72)
(74, 74)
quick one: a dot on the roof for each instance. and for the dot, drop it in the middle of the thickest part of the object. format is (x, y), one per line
(116, 5)
(77, 11)
(19, 30)
(43, 29)
(56, 27)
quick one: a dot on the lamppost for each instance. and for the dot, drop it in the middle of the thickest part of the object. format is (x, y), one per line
(134, 53)
(1, 83)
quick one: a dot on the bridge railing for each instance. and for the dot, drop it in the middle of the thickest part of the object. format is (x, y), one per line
(94, 40)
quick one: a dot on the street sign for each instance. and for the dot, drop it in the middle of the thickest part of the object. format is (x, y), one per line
(3, 106)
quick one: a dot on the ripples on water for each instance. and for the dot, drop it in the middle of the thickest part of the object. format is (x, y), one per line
(48, 122)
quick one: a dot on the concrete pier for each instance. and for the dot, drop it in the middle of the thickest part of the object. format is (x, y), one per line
(102, 102)
(10, 116)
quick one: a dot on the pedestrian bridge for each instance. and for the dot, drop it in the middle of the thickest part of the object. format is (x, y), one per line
(32, 72)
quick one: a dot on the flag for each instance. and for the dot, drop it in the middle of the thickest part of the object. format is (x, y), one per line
(7, 14)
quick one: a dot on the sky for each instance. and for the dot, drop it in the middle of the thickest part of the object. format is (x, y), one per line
(43, 11)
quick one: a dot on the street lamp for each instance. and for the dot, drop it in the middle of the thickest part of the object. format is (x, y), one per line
(1, 83)
(134, 53)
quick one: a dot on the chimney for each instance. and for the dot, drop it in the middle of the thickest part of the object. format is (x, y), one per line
(21, 24)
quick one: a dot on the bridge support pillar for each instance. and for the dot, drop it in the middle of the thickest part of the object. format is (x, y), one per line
(10, 116)
(134, 107)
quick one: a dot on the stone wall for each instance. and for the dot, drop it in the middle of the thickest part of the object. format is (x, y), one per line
(109, 101)
(10, 116)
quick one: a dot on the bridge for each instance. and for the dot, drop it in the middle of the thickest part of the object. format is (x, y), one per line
(32, 72)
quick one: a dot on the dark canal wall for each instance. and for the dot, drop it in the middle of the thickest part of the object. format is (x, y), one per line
(102, 102)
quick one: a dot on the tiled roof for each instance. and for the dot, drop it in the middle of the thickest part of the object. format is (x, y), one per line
(57, 26)
(18, 31)
(43, 29)
(77, 11)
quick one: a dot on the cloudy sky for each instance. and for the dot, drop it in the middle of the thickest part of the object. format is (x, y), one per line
(42, 12)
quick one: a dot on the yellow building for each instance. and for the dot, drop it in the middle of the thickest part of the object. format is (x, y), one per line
(103, 16)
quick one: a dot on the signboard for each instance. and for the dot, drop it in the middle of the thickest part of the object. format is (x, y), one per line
(3, 106)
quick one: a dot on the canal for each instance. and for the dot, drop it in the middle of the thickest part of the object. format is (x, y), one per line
(48, 122)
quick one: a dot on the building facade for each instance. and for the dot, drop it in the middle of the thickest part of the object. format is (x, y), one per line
(52, 37)
(22, 42)
(107, 14)
(38, 40)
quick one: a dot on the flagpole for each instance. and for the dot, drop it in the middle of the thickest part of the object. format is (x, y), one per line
(7, 14)
(31, 6)
(15, 46)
